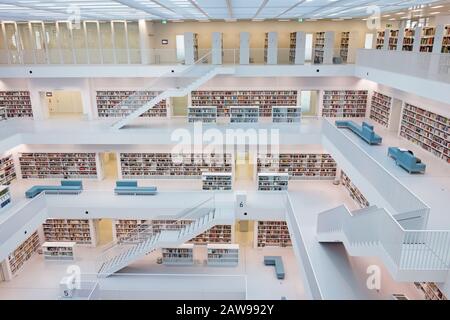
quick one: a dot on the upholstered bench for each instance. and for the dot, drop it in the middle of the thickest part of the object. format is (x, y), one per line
(66, 187)
(277, 262)
(365, 131)
(130, 187)
(406, 160)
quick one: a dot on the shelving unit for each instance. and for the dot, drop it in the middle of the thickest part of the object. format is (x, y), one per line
(299, 166)
(244, 114)
(408, 40)
(182, 255)
(58, 165)
(353, 191)
(123, 227)
(292, 46)
(286, 114)
(17, 104)
(81, 231)
(427, 129)
(205, 114)
(430, 290)
(23, 253)
(393, 39)
(427, 39)
(217, 181)
(59, 250)
(345, 41)
(223, 254)
(220, 233)
(380, 40)
(446, 40)
(273, 181)
(7, 170)
(265, 99)
(273, 234)
(163, 165)
(5, 196)
(266, 46)
(319, 47)
(380, 108)
(121, 103)
(344, 103)
(3, 114)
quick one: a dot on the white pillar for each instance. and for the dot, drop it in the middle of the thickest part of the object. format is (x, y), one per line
(272, 48)
(143, 41)
(401, 35)
(438, 38)
(216, 46)
(387, 36)
(417, 39)
(300, 44)
(328, 49)
(244, 48)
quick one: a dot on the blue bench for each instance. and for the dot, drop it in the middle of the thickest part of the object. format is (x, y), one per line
(365, 131)
(277, 262)
(67, 186)
(406, 160)
(127, 187)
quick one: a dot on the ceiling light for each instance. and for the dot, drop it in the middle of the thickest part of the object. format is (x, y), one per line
(257, 20)
(284, 20)
(230, 20)
(436, 7)
(437, 12)
(386, 15)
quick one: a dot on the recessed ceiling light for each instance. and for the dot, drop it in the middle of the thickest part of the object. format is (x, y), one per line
(386, 15)
(434, 12)
(436, 7)
(399, 13)
(392, 19)
(284, 20)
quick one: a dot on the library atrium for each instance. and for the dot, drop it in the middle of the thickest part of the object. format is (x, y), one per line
(224, 150)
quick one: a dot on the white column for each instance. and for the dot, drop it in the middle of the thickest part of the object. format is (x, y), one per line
(244, 48)
(438, 38)
(216, 46)
(272, 48)
(401, 35)
(328, 49)
(417, 38)
(87, 100)
(387, 36)
(143, 41)
(189, 55)
(39, 110)
(300, 44)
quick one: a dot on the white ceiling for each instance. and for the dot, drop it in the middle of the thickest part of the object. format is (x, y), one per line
(25, 10)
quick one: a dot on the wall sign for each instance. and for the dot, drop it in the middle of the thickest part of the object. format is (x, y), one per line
(164, 41)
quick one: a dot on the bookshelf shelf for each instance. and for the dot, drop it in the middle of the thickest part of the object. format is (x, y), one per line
(122, 103)
(7, 170)
(205, 114)
(244, 114)
(430, 290)
(3, 114)
(221, 233)
(353, 191)
(344, 103)
(59, 250)
(292, 46)
(23, 253)
(166, 165)
(299, 166)
(344, 46)
(286, 114)
(16, 103)
(393, 39)
(380, 40)
(427, 39)
(5, 196)
(182, 255)
(217, 181)
(446, 40)
(273, 181)
(319, 47)
(123, 227)
(427, 129)
(265, 99)
(380, 108)
(408, 40)
(223, 254)
(273, 234)
(81, 231)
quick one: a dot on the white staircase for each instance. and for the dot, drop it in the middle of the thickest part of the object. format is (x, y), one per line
(409, 255)
(182, 85)
(145, 241)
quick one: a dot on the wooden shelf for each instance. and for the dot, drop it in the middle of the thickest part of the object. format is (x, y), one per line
(122, 103)
(380, 108)
(81, 231)
(299, 166)
(354, 191)
(344, 103)
(58, 165)
(273, 234)
(427, 129)
(7, 170)
(16, 103)
(23, 253)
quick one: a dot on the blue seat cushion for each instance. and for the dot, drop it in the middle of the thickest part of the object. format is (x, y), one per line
(72, 183)
(35, 190)
(126, 183)
(135, 190)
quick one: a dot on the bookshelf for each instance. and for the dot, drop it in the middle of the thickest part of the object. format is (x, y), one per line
(122, 103)
(427, 129)
(5, 196)
(220, 233)
(380, 40)
(217, 181)
(286, 114)
(222, 254)
(271, 181)
(205, 114)
(182, 255)
(408, 39)
(446, 40)
(344, 103)
(123, 227)
(299, 166)
(266, 47)
(272, 234)
(81, 231)
(427, 39)
(344, 46)
(58, 165)
(166, 165)
(393, 39)
(292, 46)
(244, 114)
(319, 47)
(7, 171)
(265, 99)
(3, 114)
(59, 250)
(380, 108)
(23, 253)
(16, 103)
(430, 290)
(354, 191)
